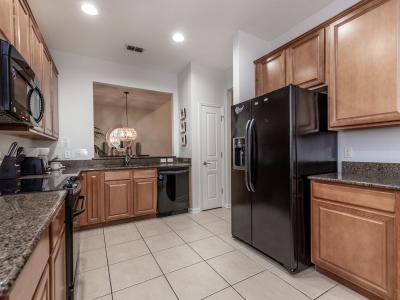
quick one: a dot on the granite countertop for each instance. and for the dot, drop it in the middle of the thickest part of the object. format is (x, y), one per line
(373, 175)
(23, 219)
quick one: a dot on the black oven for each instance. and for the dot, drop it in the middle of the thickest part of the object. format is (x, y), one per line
(21, 101)
(75, 206)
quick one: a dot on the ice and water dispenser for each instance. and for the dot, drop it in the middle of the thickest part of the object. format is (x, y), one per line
(239, 151)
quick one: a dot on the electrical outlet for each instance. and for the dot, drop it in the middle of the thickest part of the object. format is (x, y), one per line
(348, 152)
(163, 160)
(67, 154)
(170, 159)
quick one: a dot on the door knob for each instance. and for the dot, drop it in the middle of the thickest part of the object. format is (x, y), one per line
(206, 163)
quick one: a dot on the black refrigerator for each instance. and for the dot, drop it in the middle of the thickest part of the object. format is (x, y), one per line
(279, 139)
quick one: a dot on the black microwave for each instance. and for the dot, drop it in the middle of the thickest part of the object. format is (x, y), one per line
(21, 101)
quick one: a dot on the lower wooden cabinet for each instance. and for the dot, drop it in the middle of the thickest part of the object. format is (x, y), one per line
(118, 199)
(145, 198)
(94, 197)
(43, 290)
(353, 236)
(58, 270)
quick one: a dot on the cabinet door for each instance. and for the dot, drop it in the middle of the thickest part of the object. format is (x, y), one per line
(43, 289)
(145, 199)
(118, 199)
(22, 30)
(54, 101)
(58, 270)
(46, 90)
(356, 244)
(95, 197)
(271, 73)
(7, 20)
(363, 53)
(306, 60)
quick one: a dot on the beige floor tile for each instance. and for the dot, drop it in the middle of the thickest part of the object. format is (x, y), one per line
(211, 247)
(194, 234)
(163, 241)
(92, 243)
(91, 260)
(267, 286)
(227, 294)
(218, 227)
(341, 293)
(176, 258)
(125, 251)
(196, 282)
(235, 266)
(90, 232)
(118, 227)
(152, 227)
(108, 297)
(310, 282)
(222, 213)
(204, 217)
(134, 271)
(227, 218)
(235, 243)
(122, 235)
(93, 284)
(155, 289)
(181, 223)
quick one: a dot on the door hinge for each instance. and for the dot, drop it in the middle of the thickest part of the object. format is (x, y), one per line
(222, 118)
(222, 190)
(222, 155)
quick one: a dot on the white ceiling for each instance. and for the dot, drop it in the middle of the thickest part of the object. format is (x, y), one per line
(208, 25)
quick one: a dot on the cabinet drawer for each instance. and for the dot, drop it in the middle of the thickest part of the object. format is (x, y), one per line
(147, 173)
(365, 197)
(56, 226)
(117, 175)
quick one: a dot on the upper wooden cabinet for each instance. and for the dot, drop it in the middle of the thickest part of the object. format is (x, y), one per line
(7, 20)
(22, 29)
(364, 54)
(305, 60)
(94, 197)
(46, 91)
(271, 73)
(54, 101)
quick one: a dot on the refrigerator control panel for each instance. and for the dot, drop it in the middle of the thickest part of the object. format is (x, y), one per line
(239, 151)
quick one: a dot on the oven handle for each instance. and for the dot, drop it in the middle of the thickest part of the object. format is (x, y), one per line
(82, 209)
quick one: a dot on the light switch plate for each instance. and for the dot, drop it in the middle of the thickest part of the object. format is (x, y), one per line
(348, 152)
(163, 160)
(170, 160)
(67, 154)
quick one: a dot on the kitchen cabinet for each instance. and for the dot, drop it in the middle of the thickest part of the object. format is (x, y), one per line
(364, 54)
(46, 90)
(305, 60)
(58, 269)
(22, 29)
(118, 199)
(54, 100)
(145, 199)
(271, 72)
(43, 290)
(95, 197)
(354, 236)
(7, 20)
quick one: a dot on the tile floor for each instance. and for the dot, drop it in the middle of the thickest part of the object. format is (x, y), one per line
(190, 256)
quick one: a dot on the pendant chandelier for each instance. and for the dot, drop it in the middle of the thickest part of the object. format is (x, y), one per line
(123, 134)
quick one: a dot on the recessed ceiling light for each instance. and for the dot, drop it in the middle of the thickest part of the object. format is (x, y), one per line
(178, 37)
(89, 9)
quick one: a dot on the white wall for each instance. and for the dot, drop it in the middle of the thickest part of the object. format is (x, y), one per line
(77, 74)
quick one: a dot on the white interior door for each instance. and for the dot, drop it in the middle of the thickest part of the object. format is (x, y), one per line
(211, 169)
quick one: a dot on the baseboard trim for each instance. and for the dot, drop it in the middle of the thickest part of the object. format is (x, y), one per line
(195, 210)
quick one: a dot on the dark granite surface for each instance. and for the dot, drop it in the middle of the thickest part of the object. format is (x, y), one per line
(376, 175)
(23, 219)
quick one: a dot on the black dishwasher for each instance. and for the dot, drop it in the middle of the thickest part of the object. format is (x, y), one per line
(173, 191)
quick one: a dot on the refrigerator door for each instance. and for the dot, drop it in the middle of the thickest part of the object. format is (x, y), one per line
(240, 195)
(271, 176)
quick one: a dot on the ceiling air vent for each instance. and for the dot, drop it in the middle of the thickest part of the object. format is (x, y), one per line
(134, 48)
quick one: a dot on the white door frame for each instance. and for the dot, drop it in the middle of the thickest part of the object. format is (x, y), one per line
(223, 150)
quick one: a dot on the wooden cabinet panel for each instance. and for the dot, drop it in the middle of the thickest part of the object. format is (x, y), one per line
(306, 60)
(355, 243)
(95, 197)
(364, 66)
(147, 173)
(43, 291)
(58, 270)
(118, 199)
(272, 72)
(117, 175)
(36, 52)
(145, 199)
(46, 90)
(57, 226)
(54, 101)
(7, 20)
(22, 29)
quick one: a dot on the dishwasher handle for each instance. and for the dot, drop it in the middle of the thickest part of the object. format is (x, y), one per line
(170, 172)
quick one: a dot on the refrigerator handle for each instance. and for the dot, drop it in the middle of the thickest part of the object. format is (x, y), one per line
(250, 154)
(246, 143)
